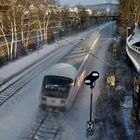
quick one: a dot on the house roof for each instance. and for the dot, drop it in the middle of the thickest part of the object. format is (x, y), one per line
(102, 7)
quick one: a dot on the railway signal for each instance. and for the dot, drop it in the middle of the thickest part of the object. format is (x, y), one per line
(90, 80)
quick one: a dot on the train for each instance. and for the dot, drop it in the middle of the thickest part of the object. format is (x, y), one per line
(60, 86)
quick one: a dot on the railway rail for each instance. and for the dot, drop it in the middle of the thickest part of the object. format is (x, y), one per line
(47, 127)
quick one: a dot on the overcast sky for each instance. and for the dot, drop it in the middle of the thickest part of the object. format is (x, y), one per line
(83, 2)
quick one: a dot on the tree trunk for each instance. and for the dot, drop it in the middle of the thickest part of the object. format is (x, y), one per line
(15, 37)
(6, 42)
(12, 41)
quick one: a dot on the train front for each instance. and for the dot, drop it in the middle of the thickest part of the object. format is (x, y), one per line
(56, 87)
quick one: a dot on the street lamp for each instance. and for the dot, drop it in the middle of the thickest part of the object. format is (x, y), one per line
(90, 80)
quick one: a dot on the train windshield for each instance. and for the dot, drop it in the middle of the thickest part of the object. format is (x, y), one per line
(57, 86)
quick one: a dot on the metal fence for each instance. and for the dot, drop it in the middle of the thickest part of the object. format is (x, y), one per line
(134, 54)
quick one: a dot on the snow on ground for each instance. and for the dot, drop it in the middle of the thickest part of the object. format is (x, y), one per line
(14, 67)
(17, 65)
(20, 111)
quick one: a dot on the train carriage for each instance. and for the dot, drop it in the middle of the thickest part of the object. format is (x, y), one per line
(59, 86)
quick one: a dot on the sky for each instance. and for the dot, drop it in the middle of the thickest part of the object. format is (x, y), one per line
(84, 2)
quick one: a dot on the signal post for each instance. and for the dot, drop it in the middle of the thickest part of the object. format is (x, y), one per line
(90, 80)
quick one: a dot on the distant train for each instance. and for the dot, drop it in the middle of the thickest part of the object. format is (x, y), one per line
(60, 86)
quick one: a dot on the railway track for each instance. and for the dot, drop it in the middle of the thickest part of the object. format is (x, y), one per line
(47, 127)
(24, 78)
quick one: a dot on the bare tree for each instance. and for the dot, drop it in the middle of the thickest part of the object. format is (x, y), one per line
(13, 26)
(3, 35)
(10, 27)
(28, 21)
(129, 14)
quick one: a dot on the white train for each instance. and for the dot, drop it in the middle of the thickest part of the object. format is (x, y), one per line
(60, 86)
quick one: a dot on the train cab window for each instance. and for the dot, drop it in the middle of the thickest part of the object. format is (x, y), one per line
(57, 86)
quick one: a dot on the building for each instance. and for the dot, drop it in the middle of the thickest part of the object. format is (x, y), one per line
(106, 8)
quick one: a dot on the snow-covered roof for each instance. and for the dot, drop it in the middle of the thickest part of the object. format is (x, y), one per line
(89, 11)
(63, 69)
(75, 9)
(70, 9)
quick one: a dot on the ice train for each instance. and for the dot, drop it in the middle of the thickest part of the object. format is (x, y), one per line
(60, 86)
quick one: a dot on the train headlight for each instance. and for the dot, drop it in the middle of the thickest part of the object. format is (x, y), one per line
(71, 84)
(62, 101)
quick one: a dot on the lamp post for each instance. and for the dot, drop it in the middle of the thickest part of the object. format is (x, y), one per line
(90, 80)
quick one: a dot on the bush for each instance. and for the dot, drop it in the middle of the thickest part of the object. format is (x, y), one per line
(32, 47)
